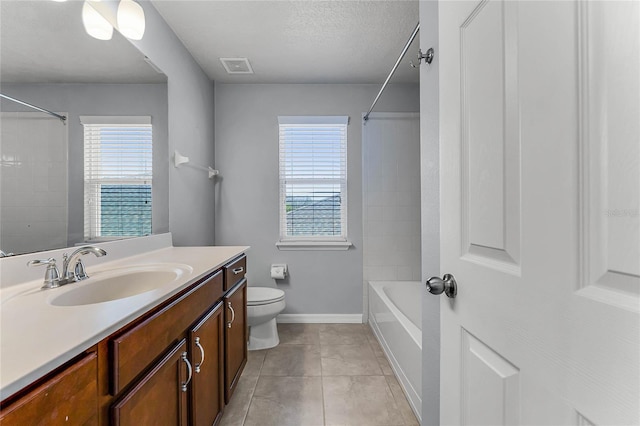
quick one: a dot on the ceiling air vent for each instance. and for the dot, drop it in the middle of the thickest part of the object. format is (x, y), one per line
(237, 65)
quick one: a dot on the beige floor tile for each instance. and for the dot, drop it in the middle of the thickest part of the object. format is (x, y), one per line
(402, 402)
(383, 362)
(292, 360)
(359, 400)
(342, 334)
(254, 363)
(286, 401)
(349, 360)
(236, 411)
(299, 334)
(377, 349)
(369, 333)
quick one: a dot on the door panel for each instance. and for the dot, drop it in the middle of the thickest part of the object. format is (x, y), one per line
(611, 236)
(540, 190)
(490, 181)
(491, 385)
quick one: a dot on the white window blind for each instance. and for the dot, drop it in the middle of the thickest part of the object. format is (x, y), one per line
(117, 177)
(313, 178)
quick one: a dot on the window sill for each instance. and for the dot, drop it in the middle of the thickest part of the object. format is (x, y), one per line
(313, 245)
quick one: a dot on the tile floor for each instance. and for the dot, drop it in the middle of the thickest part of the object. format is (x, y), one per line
(320, 374)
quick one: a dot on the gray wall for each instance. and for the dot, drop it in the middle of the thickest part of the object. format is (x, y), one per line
(191, 130)
(430, 184)
(102, 99)
(320, 282)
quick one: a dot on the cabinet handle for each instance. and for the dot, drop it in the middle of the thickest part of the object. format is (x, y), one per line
(236, 271)
(186, 361)
(198, 365)
(233, 315)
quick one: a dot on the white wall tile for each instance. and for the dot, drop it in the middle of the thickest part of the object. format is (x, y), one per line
(27, 138)
(391, 182)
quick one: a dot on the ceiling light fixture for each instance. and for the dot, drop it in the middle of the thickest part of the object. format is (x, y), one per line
(131, 22)
(95, 24)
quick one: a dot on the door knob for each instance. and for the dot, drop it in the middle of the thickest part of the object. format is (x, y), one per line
(446, 284)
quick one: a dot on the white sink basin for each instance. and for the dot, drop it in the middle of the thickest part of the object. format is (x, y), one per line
(118, 284)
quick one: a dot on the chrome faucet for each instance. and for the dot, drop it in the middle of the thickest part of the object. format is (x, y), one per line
(77, 272)
(72, 267)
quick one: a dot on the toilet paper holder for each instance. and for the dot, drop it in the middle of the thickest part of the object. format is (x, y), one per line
(279, 271)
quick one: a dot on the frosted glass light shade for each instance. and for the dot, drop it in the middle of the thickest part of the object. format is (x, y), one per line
(131, 19)
(95, 24)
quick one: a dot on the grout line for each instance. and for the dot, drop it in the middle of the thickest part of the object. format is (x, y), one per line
(246, 413)
(324, 414)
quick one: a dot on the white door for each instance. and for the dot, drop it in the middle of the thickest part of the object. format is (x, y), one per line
(540, 191)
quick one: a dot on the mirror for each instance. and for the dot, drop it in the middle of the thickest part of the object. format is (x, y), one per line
(48, 60)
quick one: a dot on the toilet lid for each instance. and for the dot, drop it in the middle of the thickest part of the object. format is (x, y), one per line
(263, 295)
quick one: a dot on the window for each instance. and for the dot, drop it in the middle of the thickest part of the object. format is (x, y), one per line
(313, 182)
(117, 177)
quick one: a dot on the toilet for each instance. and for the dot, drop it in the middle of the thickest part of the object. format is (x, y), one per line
(263, 306)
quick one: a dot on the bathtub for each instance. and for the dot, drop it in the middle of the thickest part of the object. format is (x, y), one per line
(395, 316)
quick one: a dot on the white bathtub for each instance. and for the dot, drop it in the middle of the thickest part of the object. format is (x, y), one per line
(395, 315)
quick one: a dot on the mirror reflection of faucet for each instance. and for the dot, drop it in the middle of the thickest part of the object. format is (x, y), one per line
(72, 267)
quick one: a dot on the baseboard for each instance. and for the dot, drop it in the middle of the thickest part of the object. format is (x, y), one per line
(319, 318)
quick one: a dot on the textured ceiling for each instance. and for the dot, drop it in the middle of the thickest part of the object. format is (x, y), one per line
(42, 41)
(298, 41)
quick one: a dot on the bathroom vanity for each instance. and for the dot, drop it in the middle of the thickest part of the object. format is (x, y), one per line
(167, 356)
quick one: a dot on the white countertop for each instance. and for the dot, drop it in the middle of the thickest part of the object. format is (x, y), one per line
(37, 337)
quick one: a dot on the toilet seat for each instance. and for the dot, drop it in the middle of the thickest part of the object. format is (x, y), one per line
(257, 296)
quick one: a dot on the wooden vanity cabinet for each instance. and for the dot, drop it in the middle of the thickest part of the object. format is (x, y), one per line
(178, 364)
(68, 396)
(179, 382)
(206, 344)
(235, 336)
(160, 397)
(133, 350)
(213, 324)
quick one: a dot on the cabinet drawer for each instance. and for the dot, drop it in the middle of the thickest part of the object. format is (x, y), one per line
(234, 272)
(70, 397)
(135, 349)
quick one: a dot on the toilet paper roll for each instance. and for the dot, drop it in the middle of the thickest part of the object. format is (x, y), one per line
(277, 272)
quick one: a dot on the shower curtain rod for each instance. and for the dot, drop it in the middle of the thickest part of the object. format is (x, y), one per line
(46, 111)
(393, 70)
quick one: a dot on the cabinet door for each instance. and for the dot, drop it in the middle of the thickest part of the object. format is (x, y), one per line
(207, 357)
(160, 397)
(69, 397)
(235, 333)
(135, 349)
